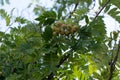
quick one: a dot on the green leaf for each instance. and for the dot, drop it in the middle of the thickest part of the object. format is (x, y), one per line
(1, 34)
(107, 8)
(47, 18)
(98, 29)
(4, 15)
(116, 3)
(39, 9)
(50, 61)
(7, 20)
(92, 67)
(47, 34)
(89, 2)
(86, 19)
(102, 2)
(60, 12)
(114, 12)
(13, 77)
(81, 11)
(77, 73)
(21, 20)
(28, 59)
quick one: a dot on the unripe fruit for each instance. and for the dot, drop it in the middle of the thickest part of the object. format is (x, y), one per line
(69, 28)
(63, 25)
(53, 28)
(62, 32)
(74, 28)
(58, 24)
(67, 33)
(0, 73)
(64, 29)
(72, 31)
(54, 33)
(56, 29)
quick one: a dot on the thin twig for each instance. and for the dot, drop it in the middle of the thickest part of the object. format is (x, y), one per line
(101, 9)
(113, 62)
(73, 10)
(62, 60)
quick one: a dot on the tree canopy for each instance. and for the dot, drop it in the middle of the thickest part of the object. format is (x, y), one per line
(64, 42)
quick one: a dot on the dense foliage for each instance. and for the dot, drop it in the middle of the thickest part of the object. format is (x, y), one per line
(58, 47)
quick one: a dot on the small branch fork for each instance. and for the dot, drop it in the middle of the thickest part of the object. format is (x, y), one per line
(113, 62)
(62, 60)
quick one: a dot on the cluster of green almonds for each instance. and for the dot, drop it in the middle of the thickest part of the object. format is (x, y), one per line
(64, 29)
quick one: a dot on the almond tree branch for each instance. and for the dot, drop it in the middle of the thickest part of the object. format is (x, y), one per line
(113, 62)
(101, 9)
